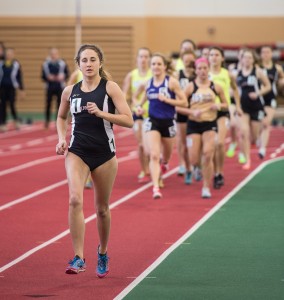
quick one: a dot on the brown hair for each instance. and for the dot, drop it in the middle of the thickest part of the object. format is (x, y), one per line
(103, 73)
(253, 53)
(168, 63)
(189, 41)
(188, 52)
(145, 48)
(221, 51)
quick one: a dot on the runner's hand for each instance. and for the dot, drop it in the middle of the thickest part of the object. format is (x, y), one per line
(61, 147)
(93, 109)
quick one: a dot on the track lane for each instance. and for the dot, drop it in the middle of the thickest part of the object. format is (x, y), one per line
(141, 231)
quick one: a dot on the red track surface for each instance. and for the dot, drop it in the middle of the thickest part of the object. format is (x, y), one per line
(142, 229)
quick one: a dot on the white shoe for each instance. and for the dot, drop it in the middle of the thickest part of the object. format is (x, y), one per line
(205, 193)
(156, 193)
(261, 152)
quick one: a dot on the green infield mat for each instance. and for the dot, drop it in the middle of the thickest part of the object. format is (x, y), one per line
(237, 254)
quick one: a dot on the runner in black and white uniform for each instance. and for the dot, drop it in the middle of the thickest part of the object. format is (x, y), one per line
(275, 74)
(95, 103)
(253, 84)
(185, 75)
(94, 147)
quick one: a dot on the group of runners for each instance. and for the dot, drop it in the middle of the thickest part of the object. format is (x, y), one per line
(196, 99)
(197, 102)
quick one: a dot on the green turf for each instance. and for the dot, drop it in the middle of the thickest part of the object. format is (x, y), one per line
(238, 254)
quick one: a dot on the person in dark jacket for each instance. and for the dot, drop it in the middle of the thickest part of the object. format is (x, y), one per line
(2, 51)
(54, 72)
(10, 81)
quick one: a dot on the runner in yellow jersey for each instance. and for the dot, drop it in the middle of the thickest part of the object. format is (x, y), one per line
(131, 83)
(222, 77)
(185, 45)
(234, 69)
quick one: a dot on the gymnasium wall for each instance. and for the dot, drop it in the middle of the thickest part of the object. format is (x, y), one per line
(121, 29)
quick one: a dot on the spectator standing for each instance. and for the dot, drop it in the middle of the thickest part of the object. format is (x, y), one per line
(10, 81)
(54, 73)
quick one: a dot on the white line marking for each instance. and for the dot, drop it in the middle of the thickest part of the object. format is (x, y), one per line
(16, 147)
(35, 142)
(34, 194)
(30, 143)
(196, 226)
(123, 134)
(28, 151)
(30, 164)
(53, 186)
(89, 219)
(24, 129)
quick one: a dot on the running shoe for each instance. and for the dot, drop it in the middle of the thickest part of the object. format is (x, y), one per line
(164, 167)
(216, 184)
(197, 174)
(262, 153)
(188, 177)
(102, 267)
(156, 193)
(242, 158)
(88, 184)
(231, 150)
(144, 179)
(221, 179)
(161, 183)
(205, 193)
(247, 165)
(3, 128)
(181, 170)
(141, 175)
(76, 265)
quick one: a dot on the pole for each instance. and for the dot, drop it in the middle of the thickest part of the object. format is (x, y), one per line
(78, 27)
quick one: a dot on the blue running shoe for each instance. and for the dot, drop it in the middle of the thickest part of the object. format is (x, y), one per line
(197, 174)
(76, 265)
(188, 178)
(102, 268)
(181, 171)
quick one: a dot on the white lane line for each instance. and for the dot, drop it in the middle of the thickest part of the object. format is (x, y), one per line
(124, 134)
(30, 143)
(55, 185)
(23, 129)
(35, 142)
(34, 194)
(30, 164)
(16, 147)
(43, 160)
(53, 137)
(43, 148)
(87, 220)
(164, 255)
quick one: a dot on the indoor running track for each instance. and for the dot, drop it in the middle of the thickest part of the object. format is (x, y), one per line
(35, 242)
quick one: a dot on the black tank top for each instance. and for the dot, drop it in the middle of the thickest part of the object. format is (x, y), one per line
(248, 84)
(272, 75)
(90, 132)
(184, 80)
